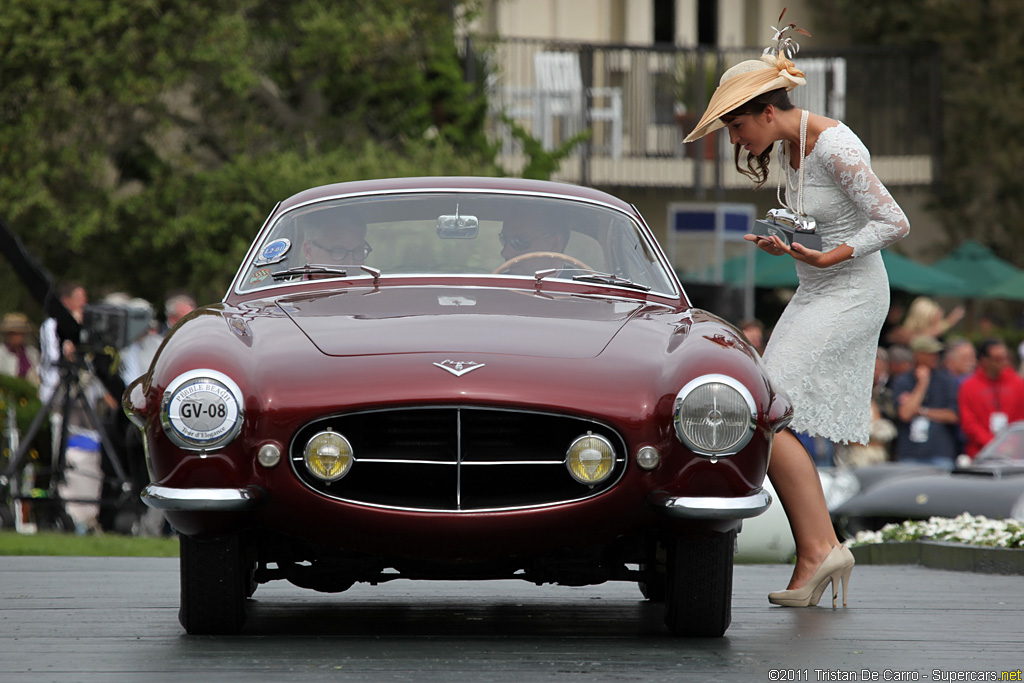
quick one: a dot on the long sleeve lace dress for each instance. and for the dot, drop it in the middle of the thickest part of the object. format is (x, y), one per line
(822, 350)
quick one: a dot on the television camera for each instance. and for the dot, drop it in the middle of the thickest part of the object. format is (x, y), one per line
(113, 326)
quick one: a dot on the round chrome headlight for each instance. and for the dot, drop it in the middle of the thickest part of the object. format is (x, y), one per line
(714, 415)
(328, 456)
(202, 410)
(590, 459)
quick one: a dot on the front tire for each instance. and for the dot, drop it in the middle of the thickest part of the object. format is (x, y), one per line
(216, 578)
(698, 602)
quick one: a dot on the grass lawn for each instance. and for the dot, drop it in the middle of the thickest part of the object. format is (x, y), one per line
(52, 543)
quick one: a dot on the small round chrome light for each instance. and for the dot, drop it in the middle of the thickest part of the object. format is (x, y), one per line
(328, 456)
(714, 415)
(590, 459)
(647, 458)
(269, 455)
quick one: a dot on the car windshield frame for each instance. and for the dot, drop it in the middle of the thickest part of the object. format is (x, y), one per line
(487, 225)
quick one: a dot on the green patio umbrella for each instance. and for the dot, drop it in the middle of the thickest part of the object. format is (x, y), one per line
(1012, 288)
(904, 274)
(910, 276)
(979, 268)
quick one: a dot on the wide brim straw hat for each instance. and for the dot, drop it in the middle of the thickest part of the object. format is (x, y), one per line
(14, 323)
(742, 83)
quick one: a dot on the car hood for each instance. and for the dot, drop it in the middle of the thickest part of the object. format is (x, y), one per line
(458, 320)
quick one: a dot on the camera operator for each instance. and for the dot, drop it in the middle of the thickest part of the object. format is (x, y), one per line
(74, 298)
(79, 467)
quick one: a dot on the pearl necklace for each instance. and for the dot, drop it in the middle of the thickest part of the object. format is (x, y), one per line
(784, 171)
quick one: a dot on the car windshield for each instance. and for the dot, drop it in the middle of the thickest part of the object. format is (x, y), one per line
(1008, 446)
(452, 234)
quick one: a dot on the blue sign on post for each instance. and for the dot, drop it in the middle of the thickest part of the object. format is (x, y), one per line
(717, 223)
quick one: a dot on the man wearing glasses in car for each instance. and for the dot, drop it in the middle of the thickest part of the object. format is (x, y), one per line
(521, 237)
(335, 240)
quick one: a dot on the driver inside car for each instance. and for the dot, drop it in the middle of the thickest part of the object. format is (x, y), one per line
(520, 237)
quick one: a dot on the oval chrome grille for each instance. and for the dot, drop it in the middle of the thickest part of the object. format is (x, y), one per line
(457, 459)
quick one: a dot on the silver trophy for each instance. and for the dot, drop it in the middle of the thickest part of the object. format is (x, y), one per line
(790, 227)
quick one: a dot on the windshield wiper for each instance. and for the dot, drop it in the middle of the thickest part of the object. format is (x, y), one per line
(609, 279)
(317, 269)
(308, 269)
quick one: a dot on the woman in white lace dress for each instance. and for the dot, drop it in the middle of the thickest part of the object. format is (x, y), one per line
(822, 350)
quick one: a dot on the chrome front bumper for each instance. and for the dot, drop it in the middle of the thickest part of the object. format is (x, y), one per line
(206, 500)
(710, 507)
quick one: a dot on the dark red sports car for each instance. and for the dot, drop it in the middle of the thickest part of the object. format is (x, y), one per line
(456, 378)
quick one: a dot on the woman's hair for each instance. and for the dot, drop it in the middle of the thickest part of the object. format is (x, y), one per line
(757, 165)
(922, 316)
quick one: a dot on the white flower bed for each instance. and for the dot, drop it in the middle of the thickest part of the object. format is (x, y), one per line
(966, 529)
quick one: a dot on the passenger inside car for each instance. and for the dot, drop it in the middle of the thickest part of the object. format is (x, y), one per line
(335, 238)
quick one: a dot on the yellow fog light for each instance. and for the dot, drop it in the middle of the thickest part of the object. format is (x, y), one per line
(590, 459)
(328, 456)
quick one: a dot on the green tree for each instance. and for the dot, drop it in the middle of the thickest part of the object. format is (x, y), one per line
(144, 141)
(981, 192)
(541, 163)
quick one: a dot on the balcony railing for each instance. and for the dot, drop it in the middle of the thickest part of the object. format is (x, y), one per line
(638, 103)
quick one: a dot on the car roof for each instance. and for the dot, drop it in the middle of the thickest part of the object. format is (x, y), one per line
(461, 183)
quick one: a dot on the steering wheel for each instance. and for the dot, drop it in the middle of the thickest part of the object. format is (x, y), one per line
(515, 260)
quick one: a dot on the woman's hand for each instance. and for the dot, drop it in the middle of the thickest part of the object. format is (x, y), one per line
(776, 247)
(772, 245)
(812, 257)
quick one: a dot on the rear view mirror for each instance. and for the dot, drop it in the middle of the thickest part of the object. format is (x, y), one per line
(457, 227)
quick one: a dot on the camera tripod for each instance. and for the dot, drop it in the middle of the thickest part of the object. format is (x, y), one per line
(71, 396)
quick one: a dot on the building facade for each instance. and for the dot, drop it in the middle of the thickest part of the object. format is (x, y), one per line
(632, 76)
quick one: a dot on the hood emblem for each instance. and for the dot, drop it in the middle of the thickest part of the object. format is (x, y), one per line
(460, 367)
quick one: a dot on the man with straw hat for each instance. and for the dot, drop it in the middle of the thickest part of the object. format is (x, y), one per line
(822, 349)
(17, 359)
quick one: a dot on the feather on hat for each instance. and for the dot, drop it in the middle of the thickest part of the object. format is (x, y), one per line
(751, 78)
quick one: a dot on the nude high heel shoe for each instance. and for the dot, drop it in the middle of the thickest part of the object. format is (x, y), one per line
(850, 561)
(837, 565)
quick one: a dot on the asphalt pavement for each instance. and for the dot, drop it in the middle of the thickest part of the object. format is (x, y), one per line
(115, 619)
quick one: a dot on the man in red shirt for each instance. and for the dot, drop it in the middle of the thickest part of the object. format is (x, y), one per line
(991, 398)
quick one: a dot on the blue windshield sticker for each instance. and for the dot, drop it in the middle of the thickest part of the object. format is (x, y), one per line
(274, 252)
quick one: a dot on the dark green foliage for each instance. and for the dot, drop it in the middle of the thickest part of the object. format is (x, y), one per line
(145, 141)
(23, 397)
(541, 162)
